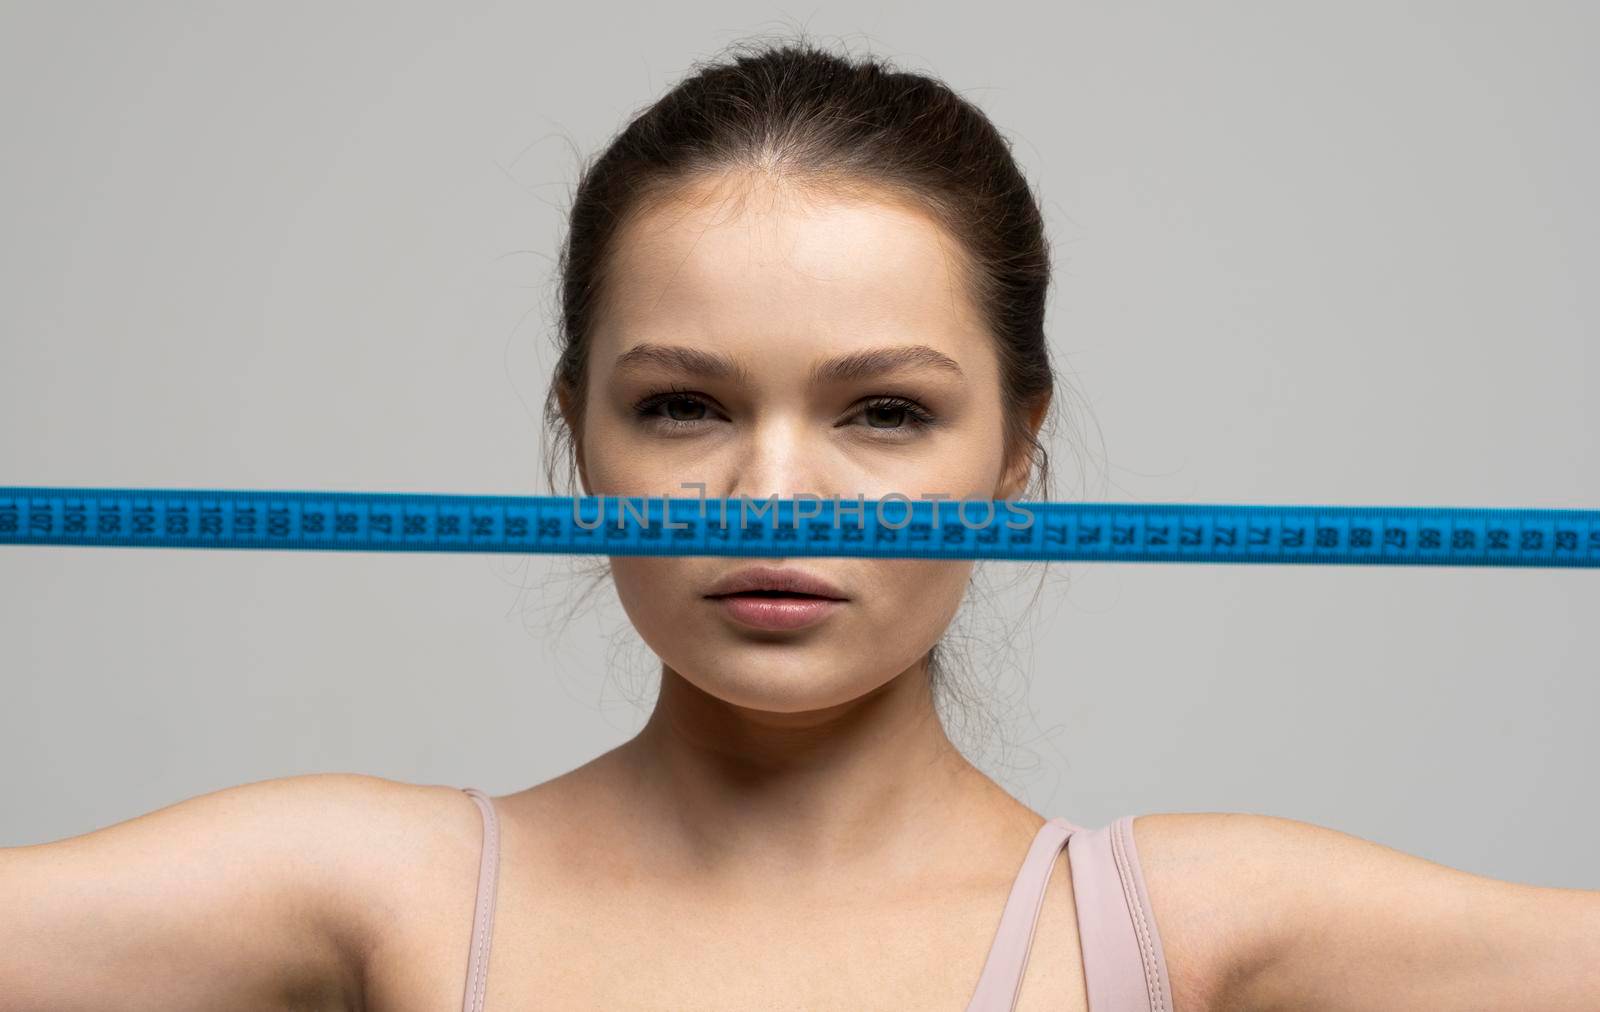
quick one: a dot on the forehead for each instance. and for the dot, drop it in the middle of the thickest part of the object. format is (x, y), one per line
(735, 257)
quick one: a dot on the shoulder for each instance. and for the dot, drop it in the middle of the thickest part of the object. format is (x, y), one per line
(276, 889)
(395, 839)
(1220, 884)
(1259, 911)
(372, 851)
(357, 822)
(339, 804)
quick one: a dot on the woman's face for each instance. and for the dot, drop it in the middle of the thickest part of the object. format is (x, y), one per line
(709, 366)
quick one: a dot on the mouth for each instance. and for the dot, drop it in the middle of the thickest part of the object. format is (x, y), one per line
(775, 593)
(775, 610)
(767, 597)
(776, 581)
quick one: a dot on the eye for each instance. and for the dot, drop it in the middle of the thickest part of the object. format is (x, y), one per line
(895, 415)
(678, 410)
(674, 409)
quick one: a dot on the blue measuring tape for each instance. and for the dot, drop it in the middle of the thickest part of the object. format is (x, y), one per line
(888, 527)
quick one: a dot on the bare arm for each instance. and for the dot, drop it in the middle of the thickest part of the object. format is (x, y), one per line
(245, 898)
(1288, 915)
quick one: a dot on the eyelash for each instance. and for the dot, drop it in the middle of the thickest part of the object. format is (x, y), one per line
(918, 416)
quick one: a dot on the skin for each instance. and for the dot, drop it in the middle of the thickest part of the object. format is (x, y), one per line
(791, 829)
(814, 752)
(813, 757)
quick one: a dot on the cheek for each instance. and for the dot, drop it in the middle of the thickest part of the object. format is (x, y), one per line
(618, 465)
(931, 592)
(657, 593)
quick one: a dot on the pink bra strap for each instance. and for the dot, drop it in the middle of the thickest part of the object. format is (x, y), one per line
(1001, 980)
(1124, 965)
(483, 913)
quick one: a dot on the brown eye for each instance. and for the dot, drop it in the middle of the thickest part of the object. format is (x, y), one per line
(891, 415)
(695, 409)
(673, 411)
(900, 416)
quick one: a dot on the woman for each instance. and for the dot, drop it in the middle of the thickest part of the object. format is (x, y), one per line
(794, 274)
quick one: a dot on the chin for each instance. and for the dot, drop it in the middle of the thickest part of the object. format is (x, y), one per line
(806, 681)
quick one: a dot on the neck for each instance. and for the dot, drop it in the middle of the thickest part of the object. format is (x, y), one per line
(734, 794)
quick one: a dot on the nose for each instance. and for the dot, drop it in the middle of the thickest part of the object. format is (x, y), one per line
(785, 457)
(780, 457)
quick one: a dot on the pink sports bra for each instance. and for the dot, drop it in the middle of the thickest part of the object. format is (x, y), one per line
(1124, 967)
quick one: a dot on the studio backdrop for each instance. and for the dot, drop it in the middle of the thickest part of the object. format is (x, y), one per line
(1305, 254)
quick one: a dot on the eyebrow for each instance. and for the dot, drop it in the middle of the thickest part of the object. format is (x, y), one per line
(840, 369)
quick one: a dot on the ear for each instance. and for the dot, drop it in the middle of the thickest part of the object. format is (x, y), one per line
(1015, 477)
(569, 415)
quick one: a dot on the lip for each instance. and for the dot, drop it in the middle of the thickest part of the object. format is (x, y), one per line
(796, 598)
(777, 579)
(776, 613)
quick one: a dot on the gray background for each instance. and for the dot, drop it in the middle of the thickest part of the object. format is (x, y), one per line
(1337, 253)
